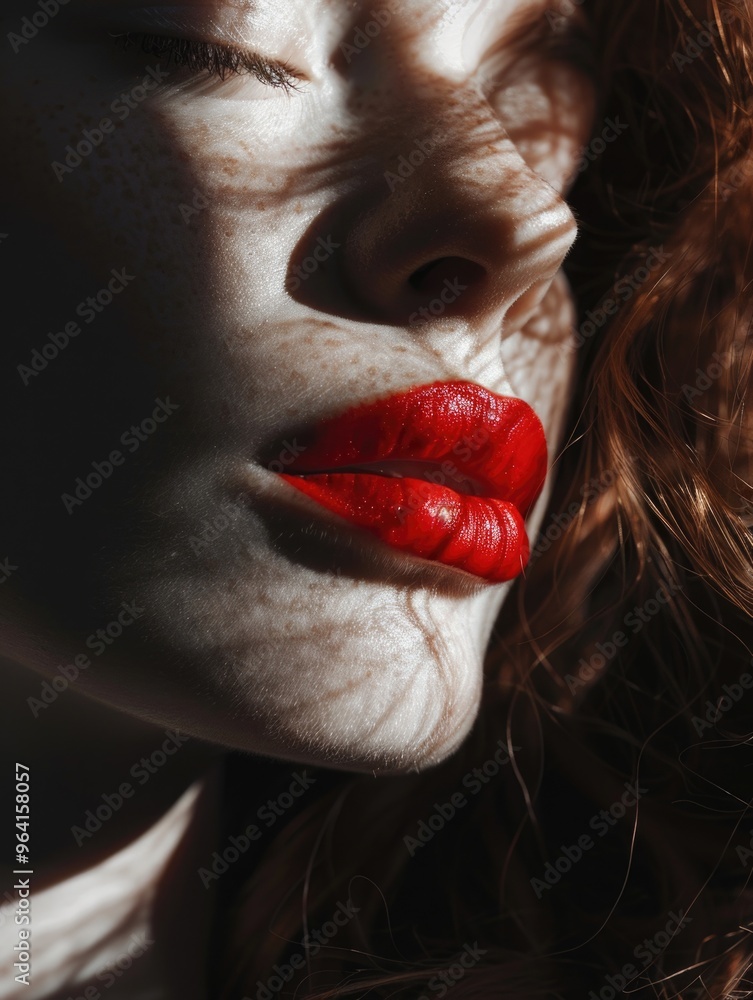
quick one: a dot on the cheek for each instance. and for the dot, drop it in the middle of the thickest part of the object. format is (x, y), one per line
(540, 357)
(245, 159)
(549, 116)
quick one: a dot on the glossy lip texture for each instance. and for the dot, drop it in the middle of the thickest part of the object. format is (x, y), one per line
(446, 472)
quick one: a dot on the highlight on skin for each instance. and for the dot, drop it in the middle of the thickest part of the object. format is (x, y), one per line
(281, 243)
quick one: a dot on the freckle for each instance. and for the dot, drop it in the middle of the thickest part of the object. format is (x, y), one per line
(229, 232)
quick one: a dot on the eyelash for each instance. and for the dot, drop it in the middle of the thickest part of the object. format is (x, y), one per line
(222, 61)
(218, 60)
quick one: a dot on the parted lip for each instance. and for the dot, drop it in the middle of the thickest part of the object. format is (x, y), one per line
(456, 434)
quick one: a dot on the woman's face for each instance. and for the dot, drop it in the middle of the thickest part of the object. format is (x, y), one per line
(201, 271)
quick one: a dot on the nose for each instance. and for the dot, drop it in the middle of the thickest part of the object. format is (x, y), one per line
(449, 223)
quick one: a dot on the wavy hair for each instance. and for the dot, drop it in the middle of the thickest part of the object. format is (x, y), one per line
(604, 843)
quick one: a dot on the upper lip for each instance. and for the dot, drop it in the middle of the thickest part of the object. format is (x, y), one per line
(482, 443)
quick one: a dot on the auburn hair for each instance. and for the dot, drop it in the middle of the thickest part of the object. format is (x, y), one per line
(616, 702)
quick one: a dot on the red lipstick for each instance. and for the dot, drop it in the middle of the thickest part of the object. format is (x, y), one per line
(446, 472)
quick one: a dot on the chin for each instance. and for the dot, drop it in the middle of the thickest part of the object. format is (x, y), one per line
(354, 657)
(385, 718)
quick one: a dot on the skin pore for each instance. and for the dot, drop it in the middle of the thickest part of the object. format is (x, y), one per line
(287, 633)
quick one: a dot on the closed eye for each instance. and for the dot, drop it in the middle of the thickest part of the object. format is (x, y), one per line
(220, 61)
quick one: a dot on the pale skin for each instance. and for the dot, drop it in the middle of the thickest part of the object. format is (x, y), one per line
(289, 634)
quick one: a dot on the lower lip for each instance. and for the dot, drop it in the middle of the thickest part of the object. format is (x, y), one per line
(479, 535)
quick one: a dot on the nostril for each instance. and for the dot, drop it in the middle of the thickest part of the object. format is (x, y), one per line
(417, 278)
(429, 279)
